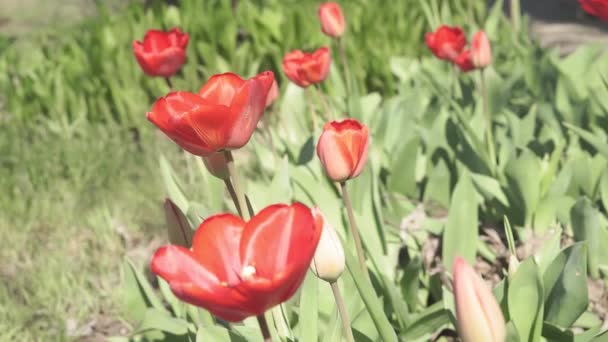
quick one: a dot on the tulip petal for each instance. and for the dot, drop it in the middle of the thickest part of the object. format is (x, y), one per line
(214, 245)
(247, 108)
(221, 88)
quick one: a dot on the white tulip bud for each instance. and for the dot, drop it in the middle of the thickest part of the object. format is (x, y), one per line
(328, 262)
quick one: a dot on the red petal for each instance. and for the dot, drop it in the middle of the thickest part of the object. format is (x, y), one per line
(156, 40)
(247, 108)
(221, 88)
(215, 244)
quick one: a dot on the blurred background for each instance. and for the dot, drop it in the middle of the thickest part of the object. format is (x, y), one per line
(80, 186)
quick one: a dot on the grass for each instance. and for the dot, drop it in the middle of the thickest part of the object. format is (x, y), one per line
(65, 239)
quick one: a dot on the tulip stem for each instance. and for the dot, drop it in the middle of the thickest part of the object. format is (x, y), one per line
(488, 115)
(240, 202)
(321, 98)
(342, 50)
(343, 313)
(169, 83)
(232, 193)
(353, 228)
(515, 14)
(264, 328)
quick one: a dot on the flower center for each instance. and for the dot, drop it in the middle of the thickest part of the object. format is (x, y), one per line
(248, 272)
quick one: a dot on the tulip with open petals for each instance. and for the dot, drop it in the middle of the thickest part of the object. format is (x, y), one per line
(305, 69)
(342, 149)
(238, 269)
(222, 116)
(478, 315)
(161, 53)
(328, 262)
(332, 19)
(446, 42)
(597, 8)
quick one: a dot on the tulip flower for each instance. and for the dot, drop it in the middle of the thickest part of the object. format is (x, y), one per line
(332, 19)
(464, 61)
(478, 315)
(238, 269)
(161, 53)
(597, 8)
(342, 149)
(446, 42)
(216, 165)
(328, 262)
(481, 53)
(273, 94)
(305, 69)
(222, 116)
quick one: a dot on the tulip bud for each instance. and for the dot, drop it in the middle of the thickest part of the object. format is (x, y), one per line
(342, 149)
(328, 262)
(332, 19)
(216, 165)
(513, 265)
(478, 315)
(481, 53)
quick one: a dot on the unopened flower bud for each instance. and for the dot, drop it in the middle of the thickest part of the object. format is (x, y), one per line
(513, 265)
(481, 53)
(216, 165)
(328, 262)
(332, 19)
(478, 315)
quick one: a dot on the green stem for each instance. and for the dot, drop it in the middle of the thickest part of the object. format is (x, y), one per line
(232, 193)
(324, 104)
(345, 65)
(488, 115)
(353, 228)
(240, 195)
(169, 83)
(515, 14)
(343, 313)
(264, 328)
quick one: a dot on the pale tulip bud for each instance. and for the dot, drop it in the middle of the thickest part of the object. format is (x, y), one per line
(216, 165)
(328, 262)
(513, 265)
(478, 315)
(481, 53)
(332, 19)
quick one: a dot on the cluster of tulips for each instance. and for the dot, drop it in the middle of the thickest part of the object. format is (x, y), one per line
(242, 266)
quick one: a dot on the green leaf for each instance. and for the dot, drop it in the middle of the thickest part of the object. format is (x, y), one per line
(155, 319)
(438, 185)
(523, 178)
(174, 189)
(221, 334)
(403, 169)
(426, 323)
(137, 286)
(370, 299)
(461, 231)
(595, 141)
(565, 283)
(489, 187)
(586, 227)
(525, 301)
(178, 228)
(309, 315)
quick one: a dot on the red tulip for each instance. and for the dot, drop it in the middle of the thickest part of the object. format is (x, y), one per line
(161, 53)
(238, 269)
(222, 116)
(478, 315)
(273, 93)
(305, 69)
(597, 8)
(447, 42)
(481, 53)
(332, 19)
(342, 149)
(464, 61)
